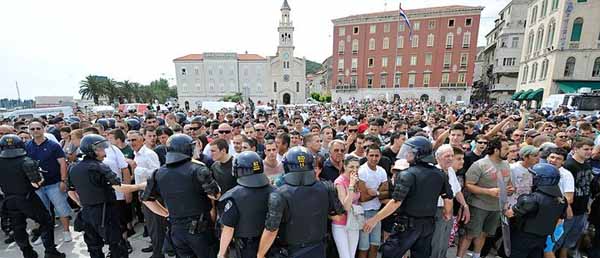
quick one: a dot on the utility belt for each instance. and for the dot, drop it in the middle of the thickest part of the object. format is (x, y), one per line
(403, 223)
(279, 250)
(79, 224)
(18, 197)
(193, 225)
(240, 243)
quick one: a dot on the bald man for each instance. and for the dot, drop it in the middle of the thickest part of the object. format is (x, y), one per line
(224, 131)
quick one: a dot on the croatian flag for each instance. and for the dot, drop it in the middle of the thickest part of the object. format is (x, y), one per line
(405, 18)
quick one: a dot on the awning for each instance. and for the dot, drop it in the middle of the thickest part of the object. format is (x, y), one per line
(535, 95)
(516, 95)
(524, 94)
(573, 86)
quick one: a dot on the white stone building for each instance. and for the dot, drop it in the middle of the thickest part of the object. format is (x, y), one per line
(562, 48)
(279, 79)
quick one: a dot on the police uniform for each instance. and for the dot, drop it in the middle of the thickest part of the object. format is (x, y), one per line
(183, 185)
(537, 213)
(245, 205)
(418, 189)
(98, 219)
(300, 208)
(21, 202)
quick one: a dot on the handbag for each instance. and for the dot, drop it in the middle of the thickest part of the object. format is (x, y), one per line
(356, 218)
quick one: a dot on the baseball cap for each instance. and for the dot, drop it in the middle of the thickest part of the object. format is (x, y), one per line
(532, 133)
(528, 150)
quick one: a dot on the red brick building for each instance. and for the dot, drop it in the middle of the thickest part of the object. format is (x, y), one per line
(373, 54)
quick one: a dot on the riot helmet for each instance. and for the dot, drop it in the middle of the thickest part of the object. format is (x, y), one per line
(416, 149)
(181, 118)
(92, 143)
(298, 159)
(112, 123)
(546, 178)
(11, 146)
(249, 170)
(133, 124)
(179, 147)
(104, 122)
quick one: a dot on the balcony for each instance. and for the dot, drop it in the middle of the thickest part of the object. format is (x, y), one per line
(354, 52)
(466, 45)
(453, 85)
(346, 88)
(574, 45)
(502, 87)
(448, 46)
(446, 66)
(341, 52)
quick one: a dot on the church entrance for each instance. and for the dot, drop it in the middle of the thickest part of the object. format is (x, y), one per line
(286, 98)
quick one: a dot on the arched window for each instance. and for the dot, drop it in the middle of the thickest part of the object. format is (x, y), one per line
(372, 44)
(341, 46)
(551, 30)
(544, 8)
(530, 43)
(297, 86)
(570, 67)
(274, 86)
(386, 43)
(534, 69)
(534, 15)
(577, 28)
(430, 40)
(525, 73)
(449, 40)
(540, 38)
(596, 69)
(544, 73)
(355, 45)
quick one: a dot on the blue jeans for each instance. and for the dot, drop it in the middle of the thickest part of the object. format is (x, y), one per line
(573, 229)
(52, 194)
(366, 240)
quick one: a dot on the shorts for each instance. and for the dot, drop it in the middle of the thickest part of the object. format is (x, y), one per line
(52, 194)
(550, 243)
(366, 240)
(482, 221)
(574, 228)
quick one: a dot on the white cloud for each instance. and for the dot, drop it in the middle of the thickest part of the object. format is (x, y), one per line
(49, 46)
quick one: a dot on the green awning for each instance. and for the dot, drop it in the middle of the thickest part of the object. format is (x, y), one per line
(573, 86)
(524, 94)
(535, 95)
(516, 95)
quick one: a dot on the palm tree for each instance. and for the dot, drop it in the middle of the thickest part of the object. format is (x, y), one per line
(92, 87)
(112, 92)
(126, 90)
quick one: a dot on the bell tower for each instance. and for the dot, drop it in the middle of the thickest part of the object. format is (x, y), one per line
(286, 33)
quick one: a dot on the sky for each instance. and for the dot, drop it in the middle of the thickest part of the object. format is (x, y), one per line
(48, 47)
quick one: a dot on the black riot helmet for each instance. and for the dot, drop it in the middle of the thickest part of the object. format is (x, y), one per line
(248, 169)
(298, 159)
(91, 143)
(179, 147)
(416, 149)
(104, 122)
(181, 118)
(546, 178)
(11, 146)
(133, 124)
(112, 123)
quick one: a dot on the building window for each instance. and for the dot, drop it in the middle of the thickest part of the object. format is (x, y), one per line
(426, 79)
(373, 28)
(354, 64)
(297, 86)
(183, 71)
(577, 28)
(341, 31)
(383, 81)
(400, 26)
(384, 61)
(447, 60)
(372, 44)
(369, 81)
(415, 41)
(530, 43)
(515, 42)
(468, 22)
(355, 30)
(445, 77)
(544, 7)
(386, 27)
(596, 69)
(525, 73)
(449, 40)
(450, 23)
(416, 26)
(431, 24)
(550, 37)
(540, 38)
(554, 4)
(341, 65)
(428, 58)
(397, 79)
(355, 46)
(400, 42)
(353, 80)
(274, 86)
(430, 40)
(411, 80)
(466, 40)
(386, 43)
(371, 62)
(544, 70)
(533, 15)
(413, 60)
(462, 77)
(398, 60)
(341, 46)
(196, 70)
(464, 58)
(509, 61)
(534, 69)
(570, 67)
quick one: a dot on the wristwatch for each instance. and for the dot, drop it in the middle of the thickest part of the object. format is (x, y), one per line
(377, 193)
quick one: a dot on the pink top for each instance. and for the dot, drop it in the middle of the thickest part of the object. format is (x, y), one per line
(345, 181)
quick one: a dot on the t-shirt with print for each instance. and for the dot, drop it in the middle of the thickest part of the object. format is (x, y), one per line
(521, 180)
(373, 179)
(483, 173)
(582, 173)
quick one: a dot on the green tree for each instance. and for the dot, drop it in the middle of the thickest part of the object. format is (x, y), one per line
(111, 90)
(126, 91)
(235, 97)
(92, 87)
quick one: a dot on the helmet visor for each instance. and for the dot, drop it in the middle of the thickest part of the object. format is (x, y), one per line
(102, 145)
(406, 153)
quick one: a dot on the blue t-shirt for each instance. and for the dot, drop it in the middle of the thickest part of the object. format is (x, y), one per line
(47, 154)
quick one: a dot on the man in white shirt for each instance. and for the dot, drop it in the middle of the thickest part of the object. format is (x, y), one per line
(519, 172)
(225, 132)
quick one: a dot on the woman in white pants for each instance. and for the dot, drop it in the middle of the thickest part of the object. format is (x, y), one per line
(346, 238)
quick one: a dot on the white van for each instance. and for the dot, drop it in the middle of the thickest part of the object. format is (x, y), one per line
(581, 103)
(37, 112)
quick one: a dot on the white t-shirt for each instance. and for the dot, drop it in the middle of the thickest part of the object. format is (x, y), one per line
(566, 183)
(115, 160)
(372, 179)
(454, 184)
(521, 180)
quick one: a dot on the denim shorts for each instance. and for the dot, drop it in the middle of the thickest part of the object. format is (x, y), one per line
(368, 239)
(574, 228)
(53, 194)
(551, 244)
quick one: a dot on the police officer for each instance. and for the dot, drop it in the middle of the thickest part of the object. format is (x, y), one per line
(414, 200)
(19, 179)
(90, 185)
(186, 188)
(537, 213)
(300, 208)
(245, 206)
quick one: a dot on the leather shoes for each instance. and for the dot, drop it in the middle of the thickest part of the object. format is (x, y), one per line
(147, 249)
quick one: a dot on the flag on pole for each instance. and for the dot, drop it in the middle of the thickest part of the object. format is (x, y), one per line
(406, 20)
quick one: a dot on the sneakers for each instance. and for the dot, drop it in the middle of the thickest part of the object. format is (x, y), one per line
(54, 254)
(147, 249)
(37, 241)
(67, 236)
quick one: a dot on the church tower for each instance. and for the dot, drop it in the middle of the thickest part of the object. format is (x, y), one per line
(286, 36)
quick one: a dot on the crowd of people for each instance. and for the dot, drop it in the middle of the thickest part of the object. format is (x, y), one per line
(346, 180)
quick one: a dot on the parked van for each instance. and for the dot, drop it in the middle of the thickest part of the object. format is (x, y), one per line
(37, 112)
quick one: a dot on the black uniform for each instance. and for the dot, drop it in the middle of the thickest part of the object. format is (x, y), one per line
(98, 219)
(21, 202)
(418, 188)
(183, 186)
